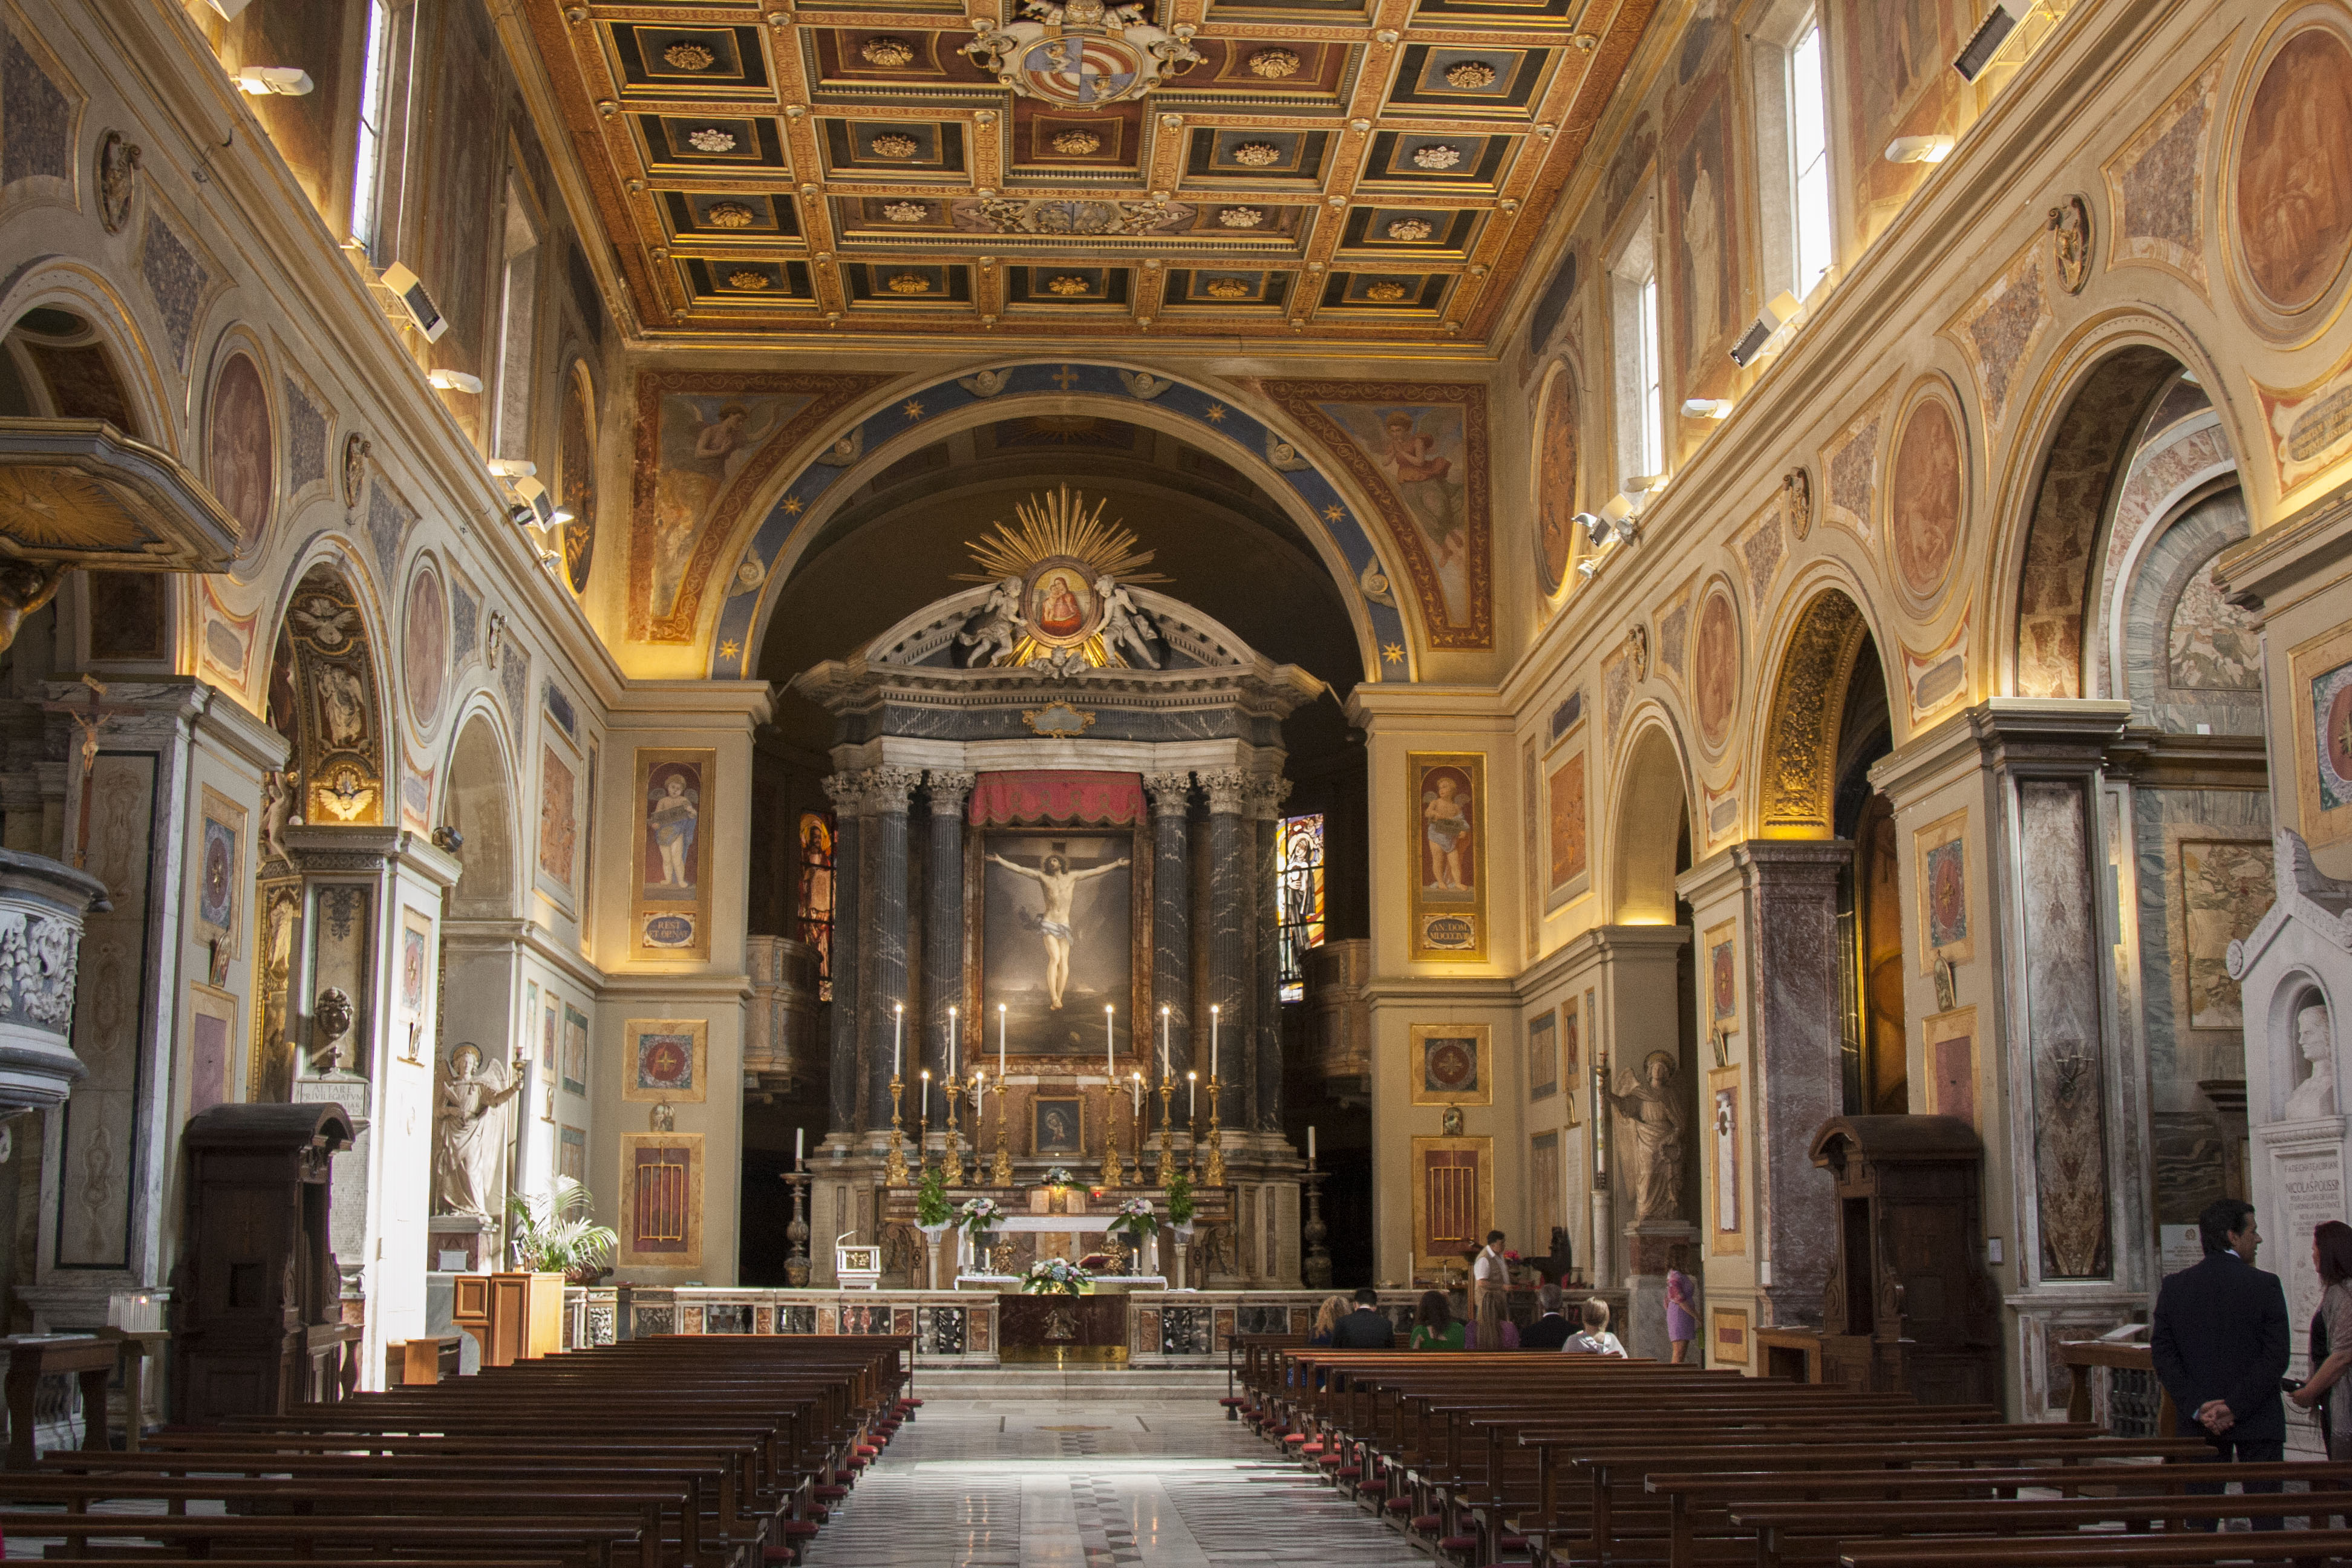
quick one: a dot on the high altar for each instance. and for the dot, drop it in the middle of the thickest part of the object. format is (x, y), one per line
(1058, 796)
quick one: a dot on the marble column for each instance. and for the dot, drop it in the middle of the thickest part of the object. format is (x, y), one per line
(1793, 979)
(1172, 915)
(1266, 797)
(847, 793)
(886, 793)
(943, 918)
(1230, 913)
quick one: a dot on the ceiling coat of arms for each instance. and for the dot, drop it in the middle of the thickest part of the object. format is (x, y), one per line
(1082, 54)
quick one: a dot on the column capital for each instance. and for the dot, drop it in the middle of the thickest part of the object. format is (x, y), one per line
(847, 793)
(1172, 794)
(888, 789)
(1228, 792)
(1266, 797)
(950, 790)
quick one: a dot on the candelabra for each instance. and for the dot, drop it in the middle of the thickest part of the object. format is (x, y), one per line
(1002, 1175)
(1316, 1272)
(1167, 1171)
(1113, 1173)
(951, 1162)
(1212, 1173)
(797, 1234)
(1193, 1142)
(894, 1167)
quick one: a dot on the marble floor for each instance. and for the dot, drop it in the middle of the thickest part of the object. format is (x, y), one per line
(1078, 1483)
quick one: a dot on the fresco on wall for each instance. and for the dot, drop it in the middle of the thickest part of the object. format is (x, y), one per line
(1419, 451)
(2224, 888)
(1714, 673)
(2155, 183)
(1556, 448)
(463, 211)
(2210, 643)
(1447, 790)
(1898, 57)
(1923, 525)
(2000, 330)
(1567, 831)
(1702, 221)
(575, 484)
(705, 441)
(2295, 170)
(670, 872)
(239, 450)
(558, 834)
(424, 646)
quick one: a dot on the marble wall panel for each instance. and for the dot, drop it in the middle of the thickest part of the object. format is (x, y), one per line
(2063, 977)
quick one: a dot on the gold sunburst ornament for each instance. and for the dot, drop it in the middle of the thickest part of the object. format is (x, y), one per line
(1053, 567)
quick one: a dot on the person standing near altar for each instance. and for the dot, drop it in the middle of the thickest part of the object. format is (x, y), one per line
(1490, 1284)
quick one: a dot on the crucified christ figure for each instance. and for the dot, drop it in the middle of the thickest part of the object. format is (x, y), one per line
(1060, 886)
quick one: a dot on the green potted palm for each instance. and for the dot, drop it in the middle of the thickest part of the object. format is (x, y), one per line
(556, 1233)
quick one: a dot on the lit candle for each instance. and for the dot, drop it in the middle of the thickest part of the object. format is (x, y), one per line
(1164, 1042)
(979, 1091)
(951, 1044)
(800, 1146)
(1213, 1042)
(897, 1037)
(1000, 1043)
(1136, 1092)
(1310, 1145)
(1110, 1044)
(926, 1093)
(1192, 1096)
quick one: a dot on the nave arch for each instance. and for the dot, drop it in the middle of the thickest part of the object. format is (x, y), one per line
(1649, 829)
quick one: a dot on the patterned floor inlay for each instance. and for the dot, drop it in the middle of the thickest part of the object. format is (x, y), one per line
(1128, 1485)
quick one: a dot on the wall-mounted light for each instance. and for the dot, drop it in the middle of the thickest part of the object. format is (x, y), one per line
(287, 82)
(1769, 334)
(228, 10)
(1990, 34)
(1707, 407)
(1587, 569)
(455, 381)
(422, 311)
(1920, 149)
(513, 469)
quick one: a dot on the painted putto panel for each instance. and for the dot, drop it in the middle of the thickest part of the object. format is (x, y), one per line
(1449, 898)
(670, 872)
(1419, 450)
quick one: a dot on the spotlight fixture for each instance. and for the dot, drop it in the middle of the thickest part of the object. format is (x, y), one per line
(455, 381)
(1588, 568)
(287, 82)
(513, 469)
(1990, 34)
(423, 313)
(1596, 528)
(1707, 407)
(1769, 333)
(228, 10)
(1920, 149)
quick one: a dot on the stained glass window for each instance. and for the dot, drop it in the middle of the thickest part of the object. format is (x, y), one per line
(815, 902)
(1300, 846)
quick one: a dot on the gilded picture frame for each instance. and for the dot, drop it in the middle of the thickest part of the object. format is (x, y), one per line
(661, 1179)
(1452, 1064)
(1939, 858)
(1727, 1197)
(670, 862)
(666, 1060)
(2320, 694)
(1445, 839)
(1728, 1338)
(1477, 1189)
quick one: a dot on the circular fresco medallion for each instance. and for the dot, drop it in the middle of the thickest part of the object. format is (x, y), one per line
(424, 646)
(1923, 529)
(1453, 1066)
(1061, 604)
(1080, 70)
(2294, 190)
(238, 446)
(1715, 670)
(1555, 458)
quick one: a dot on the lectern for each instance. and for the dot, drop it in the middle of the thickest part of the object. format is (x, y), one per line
(257, 1295)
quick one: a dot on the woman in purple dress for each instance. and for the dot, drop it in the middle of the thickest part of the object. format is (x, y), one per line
(1682, 1317)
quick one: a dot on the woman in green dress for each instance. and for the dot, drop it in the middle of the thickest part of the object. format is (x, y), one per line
(1435, 1326)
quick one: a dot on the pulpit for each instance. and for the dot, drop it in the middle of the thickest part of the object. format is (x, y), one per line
(257, 1296)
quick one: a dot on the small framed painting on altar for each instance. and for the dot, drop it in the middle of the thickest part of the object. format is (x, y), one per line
(1057, 1125)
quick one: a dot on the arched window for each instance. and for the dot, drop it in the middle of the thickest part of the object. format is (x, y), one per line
(814, 901)
(1300, 925)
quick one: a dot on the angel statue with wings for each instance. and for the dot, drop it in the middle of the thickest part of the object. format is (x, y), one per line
(468, 1132)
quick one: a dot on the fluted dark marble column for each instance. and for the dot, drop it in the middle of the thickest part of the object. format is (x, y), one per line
(1266, 797)
(1231, 915)
(847, 792)
(1172, 918)
(943, 918)
(887, 790)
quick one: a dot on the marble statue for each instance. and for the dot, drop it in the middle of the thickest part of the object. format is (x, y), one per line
(2314, 1097)
(1060, 886)
(468, 1133)
(1125, 626)
(279, 790)
(995, 628)
(1654, 1118)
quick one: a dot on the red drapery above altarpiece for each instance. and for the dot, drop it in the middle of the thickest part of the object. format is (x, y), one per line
(1057, 798)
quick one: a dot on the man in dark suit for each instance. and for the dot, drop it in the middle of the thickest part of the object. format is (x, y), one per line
(1367, 1328)
(2219, 1341)
(1549, 1331)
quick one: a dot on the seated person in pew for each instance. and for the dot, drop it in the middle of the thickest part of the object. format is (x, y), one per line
(1434, 1327)
(1550, 1331)
(1596, 1339)
(1367, 1328)
(1327, 1321)
(2219, 1342)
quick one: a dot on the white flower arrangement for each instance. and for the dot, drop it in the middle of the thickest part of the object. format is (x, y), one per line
(1054, 1275)
(978, 1215)
(1136, 1219)
(1059, 1177)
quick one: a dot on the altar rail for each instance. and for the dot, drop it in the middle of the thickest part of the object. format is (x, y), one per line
(951, 1327)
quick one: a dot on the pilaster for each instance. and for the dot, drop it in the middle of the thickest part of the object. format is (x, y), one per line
(1172, 912)
(887, 792)
(847, 793)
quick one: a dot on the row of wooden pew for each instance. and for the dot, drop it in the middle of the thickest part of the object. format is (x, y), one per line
(683, 1452)
(1559, 1461)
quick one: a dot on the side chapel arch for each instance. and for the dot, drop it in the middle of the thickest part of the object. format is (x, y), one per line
(480, 804)
(1321, 503)
(1796, 758)
(1647, 831)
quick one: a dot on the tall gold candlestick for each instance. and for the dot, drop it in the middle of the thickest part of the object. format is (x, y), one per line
(923, 1132)
(894, 1166)
(1166, 1173)
(1213, 1172)
(951, 1162)
(1113, 1173)
(1003, 1171)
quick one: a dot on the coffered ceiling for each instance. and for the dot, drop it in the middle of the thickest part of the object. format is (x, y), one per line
(1374, 171)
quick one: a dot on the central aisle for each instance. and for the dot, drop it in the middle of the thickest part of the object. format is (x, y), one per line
(1087, 1483)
